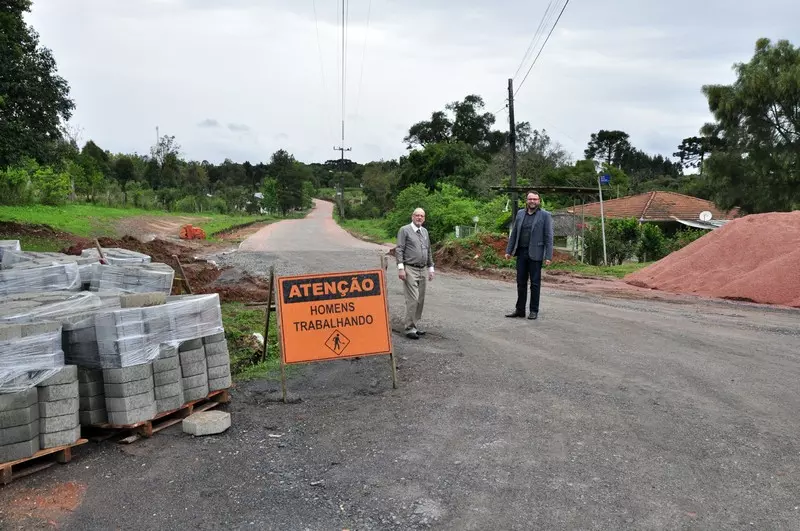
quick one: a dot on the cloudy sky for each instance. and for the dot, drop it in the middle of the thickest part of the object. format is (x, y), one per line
(240, 79)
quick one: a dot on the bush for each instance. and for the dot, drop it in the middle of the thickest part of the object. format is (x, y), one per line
(15, 188)
(622, 239)
(652, 243)
(52, 188)
(682, 238)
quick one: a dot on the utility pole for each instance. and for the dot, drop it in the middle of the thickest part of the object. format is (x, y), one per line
(340, 193)
(512, 143)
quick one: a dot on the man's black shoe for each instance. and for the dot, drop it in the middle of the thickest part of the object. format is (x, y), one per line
(412, 334)
(420, 332)
(515, 314)
(533, 315)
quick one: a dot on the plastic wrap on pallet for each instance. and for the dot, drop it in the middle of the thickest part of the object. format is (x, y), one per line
(8, 245)
(117, 256)
(141, 278)
(58, 277)
(133, 336)
(51, 306)
(16, 258)
(29, 354)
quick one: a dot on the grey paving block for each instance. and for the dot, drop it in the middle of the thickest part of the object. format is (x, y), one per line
(216, 349)
(218, 361)
(166, 365)
(19, 434)
(206, 423)
(167, 391)
(166, 378)
(96, 416)
(169, 404)
(122, 418)
(189, 357)
(18, 417)
(131, 403)
(122, 390)
(12, 452)
(167, 351)
(67, 375)
(195, 381)
(196, 393)
(91, 389)
(23, 399)
(89, 375)
(193, 369)
(191, 344)
(128, 374)
(219, 384)
(58, 408)
(216, 338)
(51, 393)
(89, 403)
(59, 438)
(215, 373)
(139, 300)
(56, 424)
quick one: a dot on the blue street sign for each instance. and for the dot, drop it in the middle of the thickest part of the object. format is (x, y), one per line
(605, 179)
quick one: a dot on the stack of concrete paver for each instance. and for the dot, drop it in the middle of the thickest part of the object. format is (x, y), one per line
(194, 369)
(117, 256)
(141, 278)
(218, 362)
(8, 245)
(168, 380)
(92, 407)
(51, 305)
(130, 396)
(59, 424)
(19, 425)
(29, 354)
(36, 277)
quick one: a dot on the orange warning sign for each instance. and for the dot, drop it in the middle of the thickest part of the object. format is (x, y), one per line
(333, 315)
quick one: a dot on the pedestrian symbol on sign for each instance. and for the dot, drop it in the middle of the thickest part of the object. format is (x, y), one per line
(337, 342)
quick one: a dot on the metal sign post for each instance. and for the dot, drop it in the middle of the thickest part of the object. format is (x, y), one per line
(601, 180)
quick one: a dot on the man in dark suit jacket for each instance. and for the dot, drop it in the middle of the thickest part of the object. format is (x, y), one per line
(531, 241)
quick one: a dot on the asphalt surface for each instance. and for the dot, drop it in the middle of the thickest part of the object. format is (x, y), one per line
(606, 413)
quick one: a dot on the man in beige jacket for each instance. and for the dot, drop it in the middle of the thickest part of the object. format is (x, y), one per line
(414, 256)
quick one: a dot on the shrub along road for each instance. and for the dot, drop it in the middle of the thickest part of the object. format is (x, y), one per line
(604, 413)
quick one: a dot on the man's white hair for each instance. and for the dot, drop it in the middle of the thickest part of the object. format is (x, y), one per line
(418, 211)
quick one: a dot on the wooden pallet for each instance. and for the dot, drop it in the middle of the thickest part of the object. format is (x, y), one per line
(163, 420)
(39, 461)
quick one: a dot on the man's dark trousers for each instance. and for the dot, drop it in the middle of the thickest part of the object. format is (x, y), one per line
(528, 269)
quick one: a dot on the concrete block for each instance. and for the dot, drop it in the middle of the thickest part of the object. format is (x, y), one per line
(18, 417)
(67, 375)
(95, 388)
(189, 357)
(218, 372)
(122, 390)
(167, 391)
(12, 452)
(91, 417)
(196, 393)
(191, 344)
(128, 374)
(166, 378)
(131, 403)
(216, 338)
(139, 300)
(195, 381)
(122, 418)
(89, 375)
(58, 408)
(218, 361)
(207, 423)
(23, 399)
(169, 404)
(89, 403)
(57, 424)
(59, 438)
(167, 364)
(193, 369)
(219, 384)
(167, 351)
(19, 434)
(51, 393)
(216, 349)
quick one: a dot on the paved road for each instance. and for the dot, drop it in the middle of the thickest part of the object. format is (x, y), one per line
(603, 414)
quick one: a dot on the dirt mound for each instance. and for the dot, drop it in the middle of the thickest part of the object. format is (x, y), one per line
(486, 248)
(754, 258)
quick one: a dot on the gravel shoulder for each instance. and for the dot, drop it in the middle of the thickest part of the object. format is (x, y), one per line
(606, 413)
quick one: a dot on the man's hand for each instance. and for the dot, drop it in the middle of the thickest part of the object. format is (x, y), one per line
(547, 262)
(402, 274)
(430, 275)
(508, 256)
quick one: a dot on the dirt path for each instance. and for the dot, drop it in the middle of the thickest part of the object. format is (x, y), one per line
(606, 413)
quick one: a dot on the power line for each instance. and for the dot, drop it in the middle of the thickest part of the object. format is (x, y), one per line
(345, 12)
(363, 55)
(321, 67)
(536, 36)
(542, 48)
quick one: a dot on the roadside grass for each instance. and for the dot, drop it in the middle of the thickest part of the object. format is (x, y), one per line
(35, 243)
(240, 323)
(617, 271)
(366, 229)
(93, 221)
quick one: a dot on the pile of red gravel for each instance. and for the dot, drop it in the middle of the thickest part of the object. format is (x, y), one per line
(755, 258)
